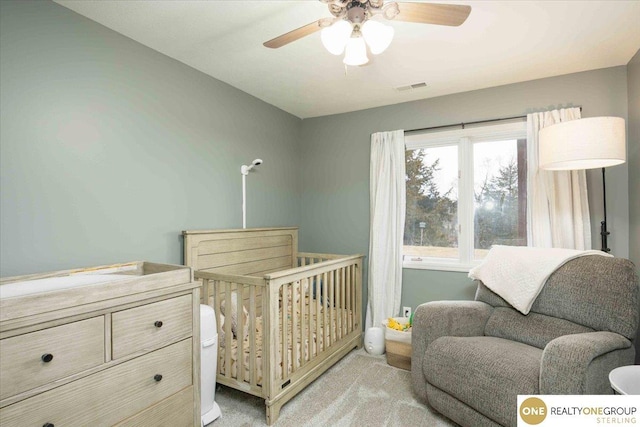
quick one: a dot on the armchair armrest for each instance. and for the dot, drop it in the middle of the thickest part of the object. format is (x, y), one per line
(435, 319)
(566, 361)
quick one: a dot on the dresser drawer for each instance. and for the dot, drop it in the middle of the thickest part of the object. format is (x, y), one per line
(37, 358)
(174, 411)
(108, 396)
(151, 326)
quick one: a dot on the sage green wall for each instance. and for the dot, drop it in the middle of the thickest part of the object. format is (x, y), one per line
(633, 150)
(335, 154)
(109, 149)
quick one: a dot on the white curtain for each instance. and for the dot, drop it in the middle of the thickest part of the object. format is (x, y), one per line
(387, 203)
(557, 206)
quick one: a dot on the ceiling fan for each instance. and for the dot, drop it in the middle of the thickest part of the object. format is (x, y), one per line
(354, 25)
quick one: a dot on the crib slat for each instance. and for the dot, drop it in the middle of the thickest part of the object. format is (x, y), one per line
(325, 300)
(284, 333)
(343, 305)
(252, 337)
(346, 301)
(353, 297)
(303, 306)
(338, 286)
(228, 335)
(206, 292)
(349, 310)
(314, 319)
(332, 306)
(216, 308)
(306, 327)
(307, 295)
(295, 289)
(340, 298)
(299, 361)
(358, 291)
(356, 319)
(240, 330)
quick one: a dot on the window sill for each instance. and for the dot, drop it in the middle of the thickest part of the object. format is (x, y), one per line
(464, 268)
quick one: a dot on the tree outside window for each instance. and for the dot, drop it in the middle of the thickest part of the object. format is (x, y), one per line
(456, 213)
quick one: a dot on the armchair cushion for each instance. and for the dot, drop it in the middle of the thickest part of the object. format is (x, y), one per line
(534, 329)
(485, 373)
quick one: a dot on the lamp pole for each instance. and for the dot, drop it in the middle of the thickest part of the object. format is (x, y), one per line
(603, 224)
(244, 170)
(244, 196)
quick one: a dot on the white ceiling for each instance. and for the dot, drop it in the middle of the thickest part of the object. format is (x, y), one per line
(501, 42)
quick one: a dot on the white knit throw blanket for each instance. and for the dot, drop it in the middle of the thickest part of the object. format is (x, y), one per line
(518, 273)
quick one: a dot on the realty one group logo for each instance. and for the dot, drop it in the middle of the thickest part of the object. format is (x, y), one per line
(532, 411)
(578, 410)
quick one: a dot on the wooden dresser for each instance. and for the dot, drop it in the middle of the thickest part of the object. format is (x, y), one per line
(114, 345)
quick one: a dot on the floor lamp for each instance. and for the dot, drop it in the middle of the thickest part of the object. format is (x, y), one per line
(596, 142)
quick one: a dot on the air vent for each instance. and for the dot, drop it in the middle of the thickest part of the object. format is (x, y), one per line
(411, 86)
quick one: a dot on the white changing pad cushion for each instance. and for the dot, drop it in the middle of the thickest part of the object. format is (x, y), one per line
(518, 273)
(29, 287)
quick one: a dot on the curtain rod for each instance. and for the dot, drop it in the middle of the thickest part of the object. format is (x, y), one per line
(469, 123)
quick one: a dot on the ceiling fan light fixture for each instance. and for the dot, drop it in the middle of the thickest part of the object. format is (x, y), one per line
(378, 36)
(355, 52)
(335, 37)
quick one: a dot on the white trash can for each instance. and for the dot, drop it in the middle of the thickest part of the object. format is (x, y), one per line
(208, 364)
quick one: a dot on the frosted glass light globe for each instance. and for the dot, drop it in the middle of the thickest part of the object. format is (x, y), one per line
(335, 37)
(356, 52)
(378, 36)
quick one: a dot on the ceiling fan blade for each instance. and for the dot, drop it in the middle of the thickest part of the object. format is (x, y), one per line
(293, 35)
(433, 13)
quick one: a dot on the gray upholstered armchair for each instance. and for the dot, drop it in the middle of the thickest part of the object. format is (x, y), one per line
(470, 359)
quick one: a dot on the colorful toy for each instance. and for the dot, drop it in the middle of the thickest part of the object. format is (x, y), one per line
(394, 324)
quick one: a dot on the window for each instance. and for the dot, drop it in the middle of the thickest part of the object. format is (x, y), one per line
(466, 190)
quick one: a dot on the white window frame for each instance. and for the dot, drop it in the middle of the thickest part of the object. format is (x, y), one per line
(464, 140)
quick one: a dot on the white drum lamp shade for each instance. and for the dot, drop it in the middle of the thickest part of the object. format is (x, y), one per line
(589, 143)
(595, 142)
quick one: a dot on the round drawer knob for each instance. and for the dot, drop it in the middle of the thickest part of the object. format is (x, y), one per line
(158, 324)
(46, 358)
(48, 425)
(157, 377)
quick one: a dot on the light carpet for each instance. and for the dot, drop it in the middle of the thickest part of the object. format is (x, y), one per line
(360, 390)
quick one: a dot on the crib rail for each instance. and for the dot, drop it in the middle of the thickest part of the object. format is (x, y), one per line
(323, 301)
(286, 322)
(307, 258)
(235, 337)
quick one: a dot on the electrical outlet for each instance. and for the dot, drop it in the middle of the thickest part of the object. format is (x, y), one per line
(406, 311)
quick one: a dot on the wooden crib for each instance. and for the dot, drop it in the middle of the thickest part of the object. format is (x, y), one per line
(306, 308)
